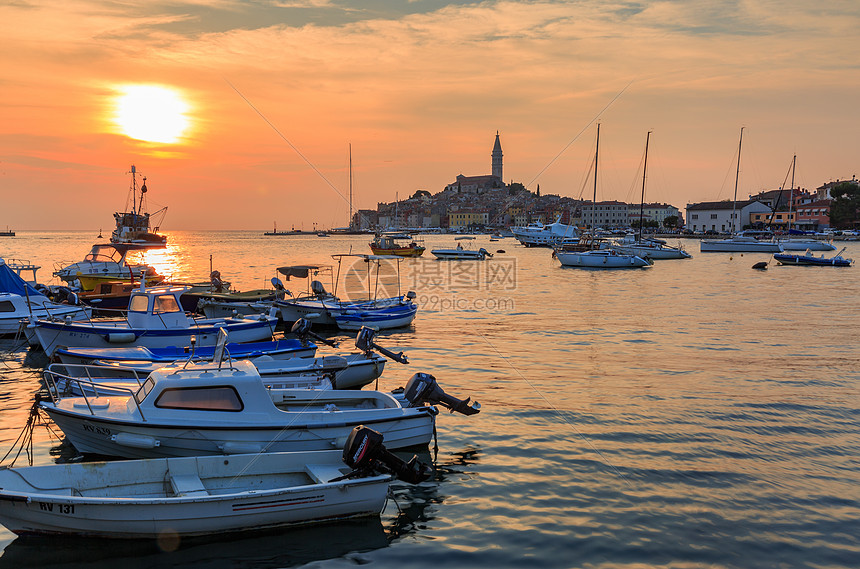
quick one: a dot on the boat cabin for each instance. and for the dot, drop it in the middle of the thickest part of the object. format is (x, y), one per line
(157, 307)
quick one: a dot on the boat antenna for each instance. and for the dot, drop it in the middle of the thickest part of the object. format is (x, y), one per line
(642, 202)
(350, 185)
(737, 175)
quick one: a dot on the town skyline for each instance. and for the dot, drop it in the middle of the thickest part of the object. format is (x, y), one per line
(244, 115)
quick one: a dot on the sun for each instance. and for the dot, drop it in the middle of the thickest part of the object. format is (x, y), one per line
(151, 113)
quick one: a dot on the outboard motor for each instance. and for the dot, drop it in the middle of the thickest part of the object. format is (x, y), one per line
(364, 342)
(280, 291)
(423, 388)
(364, 452)
(302, 329)
(318, 289)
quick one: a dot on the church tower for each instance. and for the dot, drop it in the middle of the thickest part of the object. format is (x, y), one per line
(497, 158)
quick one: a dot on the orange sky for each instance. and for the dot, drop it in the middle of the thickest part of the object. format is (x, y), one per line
(419, 89)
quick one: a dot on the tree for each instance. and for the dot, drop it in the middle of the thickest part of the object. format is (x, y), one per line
(845, 209)
(670, 221)
(421, 193)
(515, 188)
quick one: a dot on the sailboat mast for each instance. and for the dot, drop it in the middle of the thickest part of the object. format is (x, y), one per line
(594, 200)
(350, 184)
(791, 193)
(737, 175)
(642, 202)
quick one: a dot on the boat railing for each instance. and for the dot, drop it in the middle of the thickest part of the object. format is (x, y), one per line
(91, 382)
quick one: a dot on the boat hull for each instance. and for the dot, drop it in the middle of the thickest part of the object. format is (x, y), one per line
(732, 246)
(99, 435)
(661, 253)
(810, 261)
(464, 254)
(598, 260)
(145, 499)
(806, 244)
(52, 334)
(382, 319)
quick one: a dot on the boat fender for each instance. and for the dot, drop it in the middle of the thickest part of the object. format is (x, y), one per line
(135, 441)
(240, 448)
(121, 337)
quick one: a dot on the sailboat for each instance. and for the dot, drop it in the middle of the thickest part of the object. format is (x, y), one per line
(800, 243)
(649, 247)
(739, 243)
(134, 226)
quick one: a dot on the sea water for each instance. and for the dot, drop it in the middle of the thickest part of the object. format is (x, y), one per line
(698, 413)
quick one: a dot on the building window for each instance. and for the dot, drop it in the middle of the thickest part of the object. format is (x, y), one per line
(713, 216)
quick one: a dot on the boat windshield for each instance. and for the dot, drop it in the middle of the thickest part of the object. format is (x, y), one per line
(166, 303)
(209, 398)
(144, 390)
(104, 253)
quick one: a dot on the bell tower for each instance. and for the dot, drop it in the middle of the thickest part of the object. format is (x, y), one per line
(497, 158)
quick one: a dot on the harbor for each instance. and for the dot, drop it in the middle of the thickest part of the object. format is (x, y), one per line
(697, 413)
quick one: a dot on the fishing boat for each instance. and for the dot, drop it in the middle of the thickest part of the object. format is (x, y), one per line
(228, 409)
(738, 242)
(462, 253)
(327, 309)
(109, 261)
(134, 226)
(155, 319)
(7, 233)
(387, 244)
(202, 495)
(809, 259)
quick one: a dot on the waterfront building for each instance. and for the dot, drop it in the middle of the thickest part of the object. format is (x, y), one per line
(717, 216)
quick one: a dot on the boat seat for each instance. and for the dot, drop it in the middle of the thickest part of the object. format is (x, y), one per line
(187, 485)
(183, 477)
(324, 472)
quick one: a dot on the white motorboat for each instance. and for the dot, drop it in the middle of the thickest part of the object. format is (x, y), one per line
(155, 319)
(601, 259)
(197, 496)
(227, 409)
(108, 261)
(20, 300)
(549, 235)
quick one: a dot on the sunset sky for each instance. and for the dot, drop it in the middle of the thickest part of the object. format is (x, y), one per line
(256, 103)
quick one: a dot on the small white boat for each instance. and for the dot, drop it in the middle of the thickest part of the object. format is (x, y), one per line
(459, 252)
(197, 496)
(229, 410)
(601, 259)
(155, 319)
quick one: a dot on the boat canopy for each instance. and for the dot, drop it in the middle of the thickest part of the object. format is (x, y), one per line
(299, 271)
(11, 282)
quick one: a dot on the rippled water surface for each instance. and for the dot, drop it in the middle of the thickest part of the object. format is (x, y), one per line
(695, 414)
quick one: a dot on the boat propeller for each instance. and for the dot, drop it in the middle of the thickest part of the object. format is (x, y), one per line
(364, 342)
(423, 388)
(364, 451)
(302, 329)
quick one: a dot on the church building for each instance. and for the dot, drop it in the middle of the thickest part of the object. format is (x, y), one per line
(479, 184)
